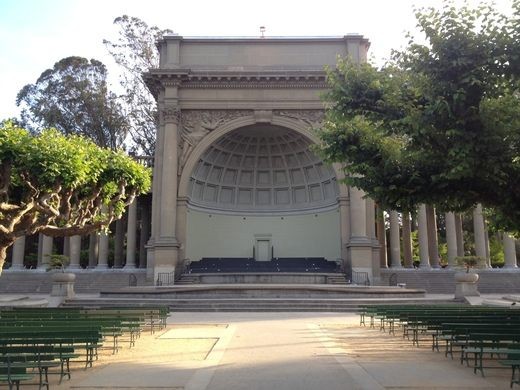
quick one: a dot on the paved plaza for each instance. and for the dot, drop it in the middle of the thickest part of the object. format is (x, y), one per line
(277, 351)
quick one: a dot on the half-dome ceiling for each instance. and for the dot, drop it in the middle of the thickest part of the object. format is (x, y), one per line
(262, 168)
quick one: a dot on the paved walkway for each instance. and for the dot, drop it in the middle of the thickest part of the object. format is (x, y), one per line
(277, 351)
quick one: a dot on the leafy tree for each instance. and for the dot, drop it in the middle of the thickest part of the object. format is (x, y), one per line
(73, 97)
(439, 124)
(61, 185)
(136, 52)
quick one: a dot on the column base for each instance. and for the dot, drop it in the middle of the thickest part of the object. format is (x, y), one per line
(164, 253)
(360, 255)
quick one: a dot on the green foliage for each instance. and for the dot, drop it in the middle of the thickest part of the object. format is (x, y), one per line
(496, 251)
(57, 262)
(73, 97)
(469, 262)
(62, 185)
(440, 123)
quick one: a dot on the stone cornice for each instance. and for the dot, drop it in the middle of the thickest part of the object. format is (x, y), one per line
(157, 79)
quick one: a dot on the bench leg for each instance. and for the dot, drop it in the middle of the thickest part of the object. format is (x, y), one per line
(64, 369)
(513, 377)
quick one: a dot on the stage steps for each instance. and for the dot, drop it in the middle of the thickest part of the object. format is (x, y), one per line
(248, 305)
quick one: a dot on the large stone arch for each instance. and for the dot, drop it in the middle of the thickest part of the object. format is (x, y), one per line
(294, 124)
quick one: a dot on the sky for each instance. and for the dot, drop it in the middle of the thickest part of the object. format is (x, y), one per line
(34, 34)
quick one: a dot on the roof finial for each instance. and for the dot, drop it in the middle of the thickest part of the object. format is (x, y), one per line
(262, 31)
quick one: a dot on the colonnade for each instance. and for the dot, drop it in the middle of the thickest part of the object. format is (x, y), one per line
(400, 229)
(98, 245)
(399, 245)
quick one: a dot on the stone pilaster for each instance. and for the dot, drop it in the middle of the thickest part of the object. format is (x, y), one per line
(360, 245)
(344, 227)
(395, 241)
(165, 244)
(423, 237)
(18, 254)
(131, 237)
(182, 209)
(407, 240)
(509, 252)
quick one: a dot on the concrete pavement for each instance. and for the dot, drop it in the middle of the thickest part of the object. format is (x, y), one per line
(277, 351)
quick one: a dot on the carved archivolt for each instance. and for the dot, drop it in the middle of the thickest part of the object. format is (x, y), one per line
(196, 124)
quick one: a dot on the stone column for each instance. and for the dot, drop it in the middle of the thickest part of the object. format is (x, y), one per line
(479, 231)
(395, 242)
(93, 250)
(451, 238)
(509, 252)
(119, 242)
(381, 236)
(371, 233)
(423, 237)
(66, 246)
(433, 246)
(144, 234)
(103, 251)
(131, 235)
(407, 240)
(75, 252)
(19, 254)
(46, 251)
(460, 235)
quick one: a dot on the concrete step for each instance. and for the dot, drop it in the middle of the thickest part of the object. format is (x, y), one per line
(247, 305)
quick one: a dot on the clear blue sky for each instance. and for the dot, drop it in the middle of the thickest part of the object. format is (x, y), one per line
(34, 34)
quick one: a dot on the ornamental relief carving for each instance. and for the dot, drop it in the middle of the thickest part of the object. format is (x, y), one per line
(196, 124)
(313, 118)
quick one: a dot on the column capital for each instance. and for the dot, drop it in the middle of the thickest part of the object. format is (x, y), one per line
(171, 114)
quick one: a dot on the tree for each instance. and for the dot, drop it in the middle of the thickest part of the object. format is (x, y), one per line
(61, 185)
(73, 97)
(136, 52)
(440, 123)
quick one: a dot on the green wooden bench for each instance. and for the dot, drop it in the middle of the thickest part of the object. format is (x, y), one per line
(14, 375)
(26, 360)
(62, 353)
(513, 360)
(86, 340)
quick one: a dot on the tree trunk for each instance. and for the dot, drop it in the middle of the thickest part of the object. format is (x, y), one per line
(3, 255)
